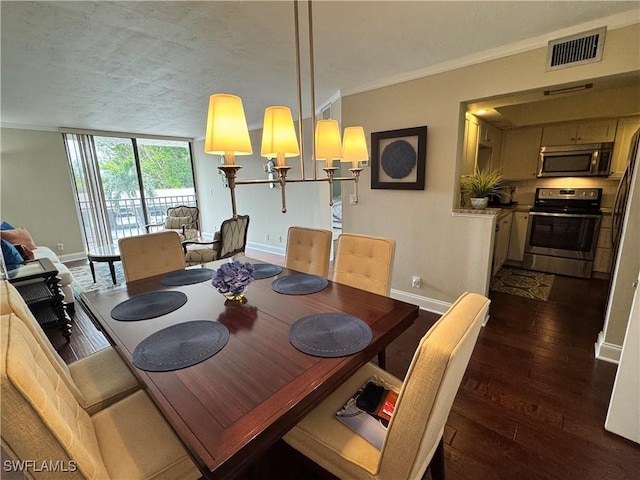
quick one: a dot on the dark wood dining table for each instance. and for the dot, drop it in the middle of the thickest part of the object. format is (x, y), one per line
(230, 408)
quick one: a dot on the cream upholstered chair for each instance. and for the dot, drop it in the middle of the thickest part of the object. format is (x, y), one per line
(183, 220)
(365, 262)
(229, 241)
(96, 381)
(308, 250)
(42, 422)
(414, 436)
(151, 254)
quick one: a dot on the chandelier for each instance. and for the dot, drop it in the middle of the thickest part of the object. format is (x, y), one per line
(227, 134)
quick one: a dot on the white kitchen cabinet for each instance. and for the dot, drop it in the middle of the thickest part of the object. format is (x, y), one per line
(501, 245)
(518, 238)
(596, 131)
(471, 132)
(626, 128)
(520, 151)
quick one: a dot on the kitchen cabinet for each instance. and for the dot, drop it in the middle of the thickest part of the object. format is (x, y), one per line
(626, 128)
(501, 243)
(518, 236)
(520, 151)
(597, 131)
(471, 132)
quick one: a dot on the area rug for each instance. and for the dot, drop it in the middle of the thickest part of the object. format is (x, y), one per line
(83, 281)
(523, 283)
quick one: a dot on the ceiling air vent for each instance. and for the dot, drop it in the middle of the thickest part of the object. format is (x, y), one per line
(575, 50)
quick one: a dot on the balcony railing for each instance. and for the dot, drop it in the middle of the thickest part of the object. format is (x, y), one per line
(126, 216)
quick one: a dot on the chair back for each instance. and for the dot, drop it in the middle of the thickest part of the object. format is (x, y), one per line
(41, 419)
(364, 262)
(430, 387)
(233, 236)
(308, 250)
(182, 215)
(151, 254)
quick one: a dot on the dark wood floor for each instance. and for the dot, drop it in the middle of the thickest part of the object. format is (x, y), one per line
(532, 403)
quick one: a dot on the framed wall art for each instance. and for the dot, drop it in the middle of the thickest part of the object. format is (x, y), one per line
(399, 158)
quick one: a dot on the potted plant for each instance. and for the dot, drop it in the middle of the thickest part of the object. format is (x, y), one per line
(480, 186)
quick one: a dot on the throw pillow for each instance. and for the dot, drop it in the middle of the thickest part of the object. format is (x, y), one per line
(10, 254)
(18, 236)
(177, 222)
(25, 252)
(6, 226)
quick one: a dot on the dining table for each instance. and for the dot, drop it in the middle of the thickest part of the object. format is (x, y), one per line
(231, 407)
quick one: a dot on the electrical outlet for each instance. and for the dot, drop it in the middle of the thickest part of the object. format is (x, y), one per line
(266, 237)
(415, 281)
(280, 238)
(60, 247)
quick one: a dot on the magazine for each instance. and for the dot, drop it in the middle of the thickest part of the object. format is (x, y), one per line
(368, 412)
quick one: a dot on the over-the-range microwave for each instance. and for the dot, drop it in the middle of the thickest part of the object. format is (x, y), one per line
(589, 160)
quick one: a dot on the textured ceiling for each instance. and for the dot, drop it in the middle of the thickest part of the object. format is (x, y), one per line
(149, 67)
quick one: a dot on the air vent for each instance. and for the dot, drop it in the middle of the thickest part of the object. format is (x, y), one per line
(576, 50)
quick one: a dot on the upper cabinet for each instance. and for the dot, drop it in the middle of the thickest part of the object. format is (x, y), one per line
(471, 132)
(482, 142)
(626, 128)
(520, 150)
(597, 131)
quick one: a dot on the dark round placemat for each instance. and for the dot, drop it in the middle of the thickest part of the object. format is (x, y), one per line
(330, 334)
(265, 270)
(187, 277)
(148, 305)
(299, 284)
(180, 346)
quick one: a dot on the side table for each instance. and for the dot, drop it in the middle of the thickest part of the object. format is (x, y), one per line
(38, 283)
(106, 253)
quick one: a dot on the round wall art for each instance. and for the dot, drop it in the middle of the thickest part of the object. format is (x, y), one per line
(398, 159)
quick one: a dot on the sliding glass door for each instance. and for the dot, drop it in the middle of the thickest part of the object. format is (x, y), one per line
(123, 184)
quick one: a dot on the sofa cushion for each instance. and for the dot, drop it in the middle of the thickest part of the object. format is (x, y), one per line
(18, 236)
(11, 254)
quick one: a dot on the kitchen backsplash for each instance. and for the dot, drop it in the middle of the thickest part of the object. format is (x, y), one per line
(525, 190)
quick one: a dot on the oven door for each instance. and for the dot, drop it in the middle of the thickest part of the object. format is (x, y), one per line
(565, 235)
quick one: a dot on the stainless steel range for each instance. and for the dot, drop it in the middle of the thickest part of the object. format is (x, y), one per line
(563, 231)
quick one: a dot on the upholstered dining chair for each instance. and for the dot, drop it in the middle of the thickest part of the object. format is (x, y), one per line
(151, 254)
(96, 381)
(184, 220)
(230, 240)
(414, 436)
(365, 262)
(308, 250)
(42, 422)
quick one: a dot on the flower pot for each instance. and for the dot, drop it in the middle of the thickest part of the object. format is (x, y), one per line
(235, 298)
(479, 202)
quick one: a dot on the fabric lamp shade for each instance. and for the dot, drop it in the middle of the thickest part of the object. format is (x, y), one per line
(354, 146)
(279, 134)
(227, 133)
(328, 145)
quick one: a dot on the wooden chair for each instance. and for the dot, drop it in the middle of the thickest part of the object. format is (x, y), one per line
(414, 438)
(96, 381)
(365, 262)
(308, 250)
(229, 241)
(151, 254)
(43, 423)
(184, 220)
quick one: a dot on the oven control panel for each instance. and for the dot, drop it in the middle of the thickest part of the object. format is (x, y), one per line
(588, 194)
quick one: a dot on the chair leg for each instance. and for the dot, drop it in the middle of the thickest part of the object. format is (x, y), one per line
(436, 466)
(382, 359)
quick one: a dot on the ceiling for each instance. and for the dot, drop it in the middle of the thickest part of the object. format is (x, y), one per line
(149, 67)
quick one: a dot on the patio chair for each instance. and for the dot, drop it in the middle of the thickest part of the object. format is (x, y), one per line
(184, 220)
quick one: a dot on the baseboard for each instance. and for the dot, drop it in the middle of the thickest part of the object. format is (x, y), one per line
(608, 352)
(72, 257)
(261, 247)
(425, 303)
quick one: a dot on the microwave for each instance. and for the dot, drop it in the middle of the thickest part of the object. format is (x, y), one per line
(589, 160)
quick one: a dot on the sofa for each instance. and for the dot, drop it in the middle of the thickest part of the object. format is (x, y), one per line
(18, 246)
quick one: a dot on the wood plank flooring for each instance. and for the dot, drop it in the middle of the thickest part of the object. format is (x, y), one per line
(532, 403)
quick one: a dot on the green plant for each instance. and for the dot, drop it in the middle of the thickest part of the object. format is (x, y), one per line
(482, 183)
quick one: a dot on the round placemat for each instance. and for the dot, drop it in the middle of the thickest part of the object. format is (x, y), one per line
(187, 277)
(299, 284)
(180, 346)
(148, 305)
(265, 270)
(330, 334)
